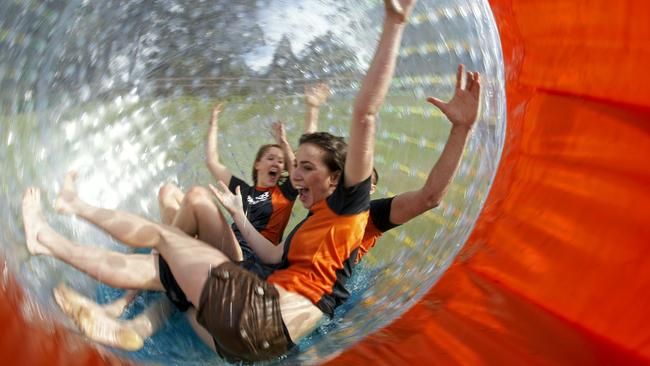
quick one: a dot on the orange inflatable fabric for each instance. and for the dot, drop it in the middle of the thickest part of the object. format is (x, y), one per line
(556, 271)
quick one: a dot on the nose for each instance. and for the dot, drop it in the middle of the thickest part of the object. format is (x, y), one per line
(296, 175)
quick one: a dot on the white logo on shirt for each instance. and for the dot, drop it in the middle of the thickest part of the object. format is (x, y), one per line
(261, 198)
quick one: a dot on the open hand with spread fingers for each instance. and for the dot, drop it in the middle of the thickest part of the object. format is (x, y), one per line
(315, 95)
(462, 109)
(231, 202)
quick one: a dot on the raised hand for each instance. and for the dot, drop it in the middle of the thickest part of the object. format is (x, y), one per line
(315, 95)
(279, 133)
(399, 10)
(231, 202)
(211, 145)
(215, 113)
(463, 107)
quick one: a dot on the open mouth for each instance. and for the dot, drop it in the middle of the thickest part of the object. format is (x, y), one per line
(302, 193)
(274, 173)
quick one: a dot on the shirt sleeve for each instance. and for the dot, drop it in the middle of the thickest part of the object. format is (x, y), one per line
(350, 200)
(288, 191)
(243, 186)
(380, 214)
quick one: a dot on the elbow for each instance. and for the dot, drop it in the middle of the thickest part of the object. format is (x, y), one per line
(431, 201)
(211, 164)
(365, 123)
(366, 117)
(433, 204)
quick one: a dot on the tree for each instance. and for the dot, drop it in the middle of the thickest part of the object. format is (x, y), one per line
(328, 58)
(284, 68)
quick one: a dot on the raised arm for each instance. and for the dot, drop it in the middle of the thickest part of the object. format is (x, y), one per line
(265, 250)
(461, 111)
(359, 159)
(281, 139)
(315, 95)
(218, 170)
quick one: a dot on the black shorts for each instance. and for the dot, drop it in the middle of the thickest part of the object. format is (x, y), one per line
(262, 270)
(242, 313)
(172, 289)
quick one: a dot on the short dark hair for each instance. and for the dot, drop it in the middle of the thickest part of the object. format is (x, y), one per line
(262, 150)
(334, 146)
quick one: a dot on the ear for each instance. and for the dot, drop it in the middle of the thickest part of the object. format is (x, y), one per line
(334, 178)
(256, 166)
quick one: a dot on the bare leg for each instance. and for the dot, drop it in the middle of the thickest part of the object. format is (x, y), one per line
(199, 216)
(169, 202)
(190, 260)
(132, 230)
(203, 334)
(136, 271)
(151, 319)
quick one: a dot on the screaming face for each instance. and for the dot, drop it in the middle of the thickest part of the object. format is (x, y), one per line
(311, 177)
(269, 167)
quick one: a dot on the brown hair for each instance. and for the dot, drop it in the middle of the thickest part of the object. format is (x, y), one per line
(334, 146)
(262, 150)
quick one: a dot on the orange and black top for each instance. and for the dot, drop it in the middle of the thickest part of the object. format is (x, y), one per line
(378, 224)
(267, 208)
(320, 251)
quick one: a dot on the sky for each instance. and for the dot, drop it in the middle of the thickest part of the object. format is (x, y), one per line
(301, 20)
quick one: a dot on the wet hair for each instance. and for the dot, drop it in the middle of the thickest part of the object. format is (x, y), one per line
(374, 176)
(262, 150)
(334, 146)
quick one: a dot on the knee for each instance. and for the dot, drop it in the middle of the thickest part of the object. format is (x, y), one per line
(197, 195)
(167, 190)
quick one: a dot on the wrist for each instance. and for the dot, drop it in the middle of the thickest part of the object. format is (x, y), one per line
(461, 129)
(395, 19)
(238, 216)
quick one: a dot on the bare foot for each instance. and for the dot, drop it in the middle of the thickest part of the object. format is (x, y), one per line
(34, 221)
(117, 307)
(93, 321)
(68, 195)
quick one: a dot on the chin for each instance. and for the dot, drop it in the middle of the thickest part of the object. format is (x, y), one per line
(307, 204)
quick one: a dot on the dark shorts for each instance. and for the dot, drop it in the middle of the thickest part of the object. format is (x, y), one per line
(242, 313)
(172, 289)
(254, 265)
